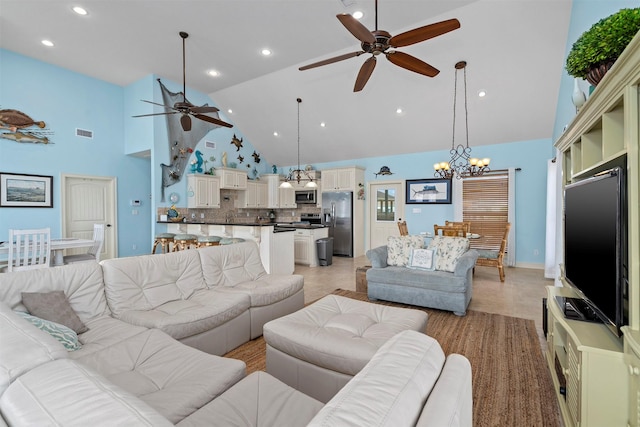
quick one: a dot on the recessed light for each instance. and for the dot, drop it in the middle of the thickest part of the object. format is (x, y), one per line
(266, 52)
(230, 111)
(213, 73)
(482, 93)
(79, 10)
(47, 43)
(323, 124)
(398, 110)
(275, 134)
(358, 14)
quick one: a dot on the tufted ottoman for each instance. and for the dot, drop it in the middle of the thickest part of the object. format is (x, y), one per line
(318, 349)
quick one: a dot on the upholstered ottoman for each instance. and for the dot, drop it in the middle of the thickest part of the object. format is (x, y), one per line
(318, 349)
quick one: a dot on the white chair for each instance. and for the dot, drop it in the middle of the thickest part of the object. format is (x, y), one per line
(29, 249)
(93, 254)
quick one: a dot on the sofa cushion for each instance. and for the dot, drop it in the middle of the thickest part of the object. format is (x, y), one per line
(432, 280)
(103, 332)
(232, 264)
(66, 336)
(448, 250)
(376, 398)
(53, 306)
(23, 346)
(268, 290)
(149, 281)
(64, 393)
(171, 377)
(422, 259)
(82, 284)
(399, 248)
(259, 400)
(205, 309)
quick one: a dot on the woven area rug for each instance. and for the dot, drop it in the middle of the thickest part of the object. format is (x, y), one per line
(511, 382)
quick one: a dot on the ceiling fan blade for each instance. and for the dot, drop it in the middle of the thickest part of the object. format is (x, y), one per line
(421, 34)
(331, 60)
(213, 120)
(412, 63)
(156, 114)
(356, 28)
(160, 105)
(364, 73)
(185, 122)
(203, 109)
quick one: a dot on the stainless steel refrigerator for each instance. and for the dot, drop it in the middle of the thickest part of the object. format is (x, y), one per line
(337, 213)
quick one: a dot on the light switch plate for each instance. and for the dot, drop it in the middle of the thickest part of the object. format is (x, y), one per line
(416, 210)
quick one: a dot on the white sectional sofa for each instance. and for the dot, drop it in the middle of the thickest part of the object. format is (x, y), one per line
(133, 367)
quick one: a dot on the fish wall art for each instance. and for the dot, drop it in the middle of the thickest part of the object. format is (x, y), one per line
(19, 127)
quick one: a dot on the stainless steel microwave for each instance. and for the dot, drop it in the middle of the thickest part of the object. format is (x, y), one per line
(306, 197)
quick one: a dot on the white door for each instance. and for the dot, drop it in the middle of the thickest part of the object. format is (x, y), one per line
(88, 200)
(386, 206)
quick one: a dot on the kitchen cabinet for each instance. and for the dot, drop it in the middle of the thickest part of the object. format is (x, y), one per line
(255, 196)
(273, 194)
(287, 197)
(204, 191)
(232, 179)
(342, 179)
(304, 244)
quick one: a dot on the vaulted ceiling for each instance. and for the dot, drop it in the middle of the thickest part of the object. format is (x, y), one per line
(514, 49)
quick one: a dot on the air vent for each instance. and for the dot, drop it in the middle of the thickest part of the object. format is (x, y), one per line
(210, 144)
(84, 133)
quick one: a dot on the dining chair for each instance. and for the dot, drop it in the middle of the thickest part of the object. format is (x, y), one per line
(402, 226)
(29, 249)
(449, 230)
(94, 252)
(465, 224)
(495, 258)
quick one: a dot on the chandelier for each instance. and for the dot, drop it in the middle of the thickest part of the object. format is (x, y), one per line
(298, 174)
(461, 164)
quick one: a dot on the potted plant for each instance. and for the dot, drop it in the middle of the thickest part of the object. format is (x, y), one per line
(597, 49)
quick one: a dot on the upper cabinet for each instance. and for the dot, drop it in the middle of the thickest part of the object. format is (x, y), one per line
(255, 196)
(204, 191)
(342, 179)
(232, 179)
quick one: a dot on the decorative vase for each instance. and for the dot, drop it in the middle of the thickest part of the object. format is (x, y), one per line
(577, 97)
(597, 72)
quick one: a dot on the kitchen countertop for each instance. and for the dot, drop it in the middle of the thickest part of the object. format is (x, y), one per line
(246, 224)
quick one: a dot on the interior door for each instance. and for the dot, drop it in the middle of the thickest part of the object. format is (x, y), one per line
(386, 206)
(88, 200)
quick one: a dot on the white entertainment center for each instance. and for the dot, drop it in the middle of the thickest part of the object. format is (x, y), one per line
(595, 373)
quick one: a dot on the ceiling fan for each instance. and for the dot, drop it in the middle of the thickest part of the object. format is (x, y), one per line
(380, 41)
(186, 108)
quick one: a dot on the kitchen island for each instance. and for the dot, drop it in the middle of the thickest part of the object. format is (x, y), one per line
(276, 246)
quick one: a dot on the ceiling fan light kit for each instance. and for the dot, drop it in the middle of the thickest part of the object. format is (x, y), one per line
(185, 108)
(298, 175)
(379, 42)
(461, 164)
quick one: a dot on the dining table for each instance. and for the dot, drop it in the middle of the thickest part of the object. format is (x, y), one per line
(57, 248)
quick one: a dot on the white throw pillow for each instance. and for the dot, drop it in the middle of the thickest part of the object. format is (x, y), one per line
(448, 250)
(399, 249)
(422, 259)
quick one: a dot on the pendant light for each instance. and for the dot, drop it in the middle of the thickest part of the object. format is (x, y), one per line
(298, 174)
(461, 164)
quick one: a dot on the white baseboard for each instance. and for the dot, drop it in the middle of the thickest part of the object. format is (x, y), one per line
(534, 265)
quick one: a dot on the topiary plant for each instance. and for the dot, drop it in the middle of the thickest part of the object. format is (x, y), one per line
(600, 46)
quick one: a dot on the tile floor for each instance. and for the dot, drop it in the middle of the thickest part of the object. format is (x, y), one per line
(519, 296)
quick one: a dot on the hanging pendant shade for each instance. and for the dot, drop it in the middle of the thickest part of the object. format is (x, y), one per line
(298, 175)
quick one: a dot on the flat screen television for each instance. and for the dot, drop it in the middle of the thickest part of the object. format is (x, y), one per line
(595, 247)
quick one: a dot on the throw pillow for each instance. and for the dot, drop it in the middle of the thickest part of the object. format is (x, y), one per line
(399, 249)
(66, 336)
(448, 250)
(55, 307)
(422, 259)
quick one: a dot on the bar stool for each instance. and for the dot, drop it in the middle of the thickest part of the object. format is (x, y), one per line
(231, 240)
(204, 241)
(184, 241)
(163, 239)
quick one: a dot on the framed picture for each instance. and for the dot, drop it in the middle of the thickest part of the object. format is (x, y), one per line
(430, 191)
(25, 191)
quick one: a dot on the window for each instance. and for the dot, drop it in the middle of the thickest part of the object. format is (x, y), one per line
(485, 203)
(386, 205)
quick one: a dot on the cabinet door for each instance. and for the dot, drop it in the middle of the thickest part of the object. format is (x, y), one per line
(206, 191)
(329, 180)
(301, 247)
(234, 180)
(287, 197)
(262, 196)
(346, 179)
(201, 192)
(241, 180)
(273, 194)
(248, 197)
(214, 192)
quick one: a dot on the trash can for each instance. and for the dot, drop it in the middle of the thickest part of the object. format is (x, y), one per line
(325, 250)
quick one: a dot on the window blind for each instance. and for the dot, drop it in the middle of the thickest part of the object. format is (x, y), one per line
(485, 203)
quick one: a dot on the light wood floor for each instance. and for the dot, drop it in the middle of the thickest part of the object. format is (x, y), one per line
(519, 296)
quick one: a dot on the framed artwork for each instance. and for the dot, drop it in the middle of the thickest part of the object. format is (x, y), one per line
(428, 191)
(25, 191)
